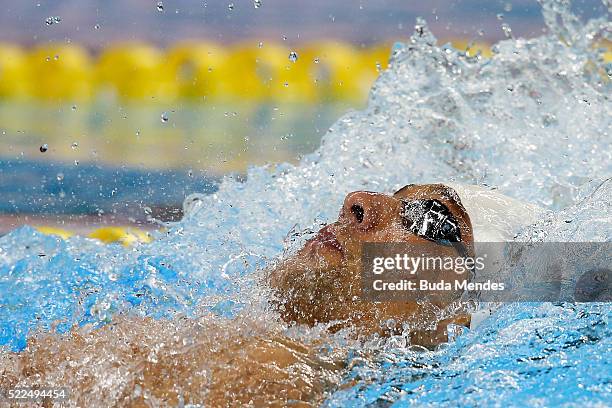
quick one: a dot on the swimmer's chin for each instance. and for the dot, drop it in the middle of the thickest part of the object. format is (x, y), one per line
(308, 290)
(311, 287)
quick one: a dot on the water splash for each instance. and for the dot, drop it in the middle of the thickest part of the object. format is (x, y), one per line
(534, 122)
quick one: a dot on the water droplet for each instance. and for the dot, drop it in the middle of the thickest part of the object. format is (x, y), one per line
(257, 3)
(390, 323)
(500, 16)
(230, 6)
(481, 32)
(549, 119)
(508, 7)
(316, 60)
(43, 148)
(190, 173)
(76, 162)
(164, 117)
(260, 45)
(74, 145)
(97, 27)
(74, 107)
(507, 30)
(160, 6)
(60, 176)
(293, 56)
(49, 21)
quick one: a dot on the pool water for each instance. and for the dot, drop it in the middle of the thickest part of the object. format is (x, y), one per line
(533, 122)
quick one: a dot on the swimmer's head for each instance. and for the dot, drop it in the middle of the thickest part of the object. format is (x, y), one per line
(321, 283)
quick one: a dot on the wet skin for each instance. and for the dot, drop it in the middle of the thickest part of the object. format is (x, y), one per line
(321, 283)
(248, 361)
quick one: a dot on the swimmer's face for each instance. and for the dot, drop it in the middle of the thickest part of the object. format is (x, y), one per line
(321, 283)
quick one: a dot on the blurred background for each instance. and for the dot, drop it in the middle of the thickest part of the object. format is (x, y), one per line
(112, 112)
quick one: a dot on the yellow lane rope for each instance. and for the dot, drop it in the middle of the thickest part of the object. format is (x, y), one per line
(321, 71)
(126, 236)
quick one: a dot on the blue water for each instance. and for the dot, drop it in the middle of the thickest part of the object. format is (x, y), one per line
(533, 122)
(37, 187)
(527, 355)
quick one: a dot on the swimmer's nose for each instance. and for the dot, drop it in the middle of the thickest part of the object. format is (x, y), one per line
(365, 210)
